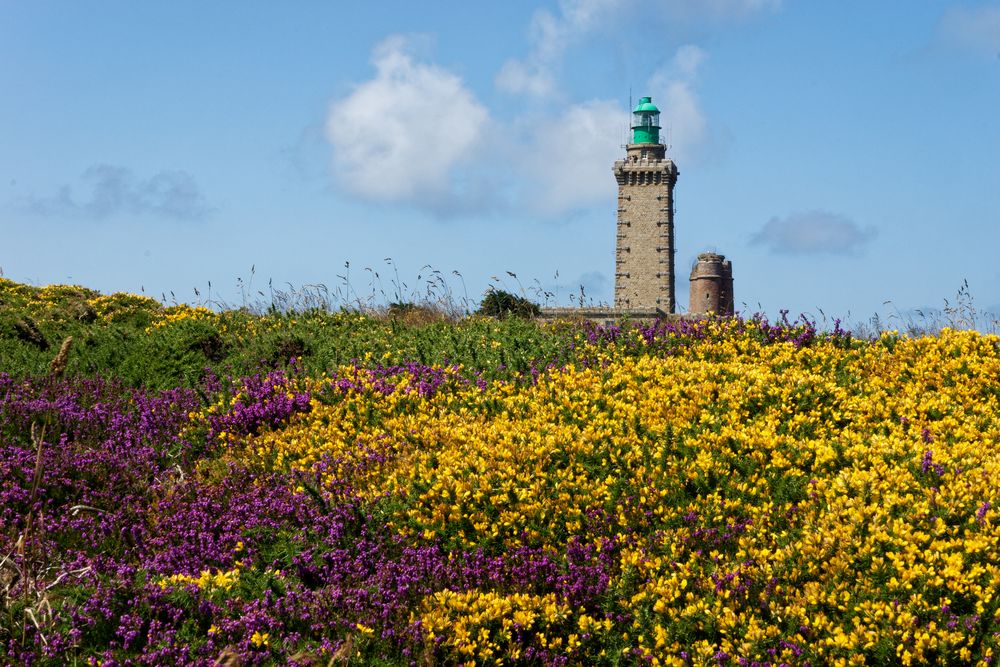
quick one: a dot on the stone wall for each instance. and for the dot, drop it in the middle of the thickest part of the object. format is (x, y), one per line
(605, 316)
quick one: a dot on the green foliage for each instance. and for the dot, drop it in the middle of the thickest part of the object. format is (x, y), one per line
(498, 303)
(142, 343)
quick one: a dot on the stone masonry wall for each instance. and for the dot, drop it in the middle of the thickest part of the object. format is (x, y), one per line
(644, 256)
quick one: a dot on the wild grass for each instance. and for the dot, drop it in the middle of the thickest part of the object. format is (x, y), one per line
(161, 343)
(23, 589)
(960, 313)
(381, 293)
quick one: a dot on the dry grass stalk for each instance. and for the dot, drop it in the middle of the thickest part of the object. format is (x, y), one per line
(58, 366)
(31, 615)
(38, 440)
(10, 574)
(228, 658)
(19, 575)
(344, 652)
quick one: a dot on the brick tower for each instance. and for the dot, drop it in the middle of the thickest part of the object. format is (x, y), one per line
(644, 255)
(711, 285)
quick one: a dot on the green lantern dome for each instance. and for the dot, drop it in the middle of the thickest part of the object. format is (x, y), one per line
(645, 122)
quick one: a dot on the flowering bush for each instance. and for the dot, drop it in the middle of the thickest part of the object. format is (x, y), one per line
(714, 492)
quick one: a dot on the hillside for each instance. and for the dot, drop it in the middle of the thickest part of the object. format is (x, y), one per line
(176, 490)
(137, 340)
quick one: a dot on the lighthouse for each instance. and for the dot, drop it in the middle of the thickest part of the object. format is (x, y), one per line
(644, 250)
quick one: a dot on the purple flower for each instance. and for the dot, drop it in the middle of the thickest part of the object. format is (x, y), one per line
(928, 465)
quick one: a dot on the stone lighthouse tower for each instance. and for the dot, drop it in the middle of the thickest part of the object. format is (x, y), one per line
(644, 255)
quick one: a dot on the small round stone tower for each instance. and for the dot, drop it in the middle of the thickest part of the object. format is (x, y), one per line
(711, 285)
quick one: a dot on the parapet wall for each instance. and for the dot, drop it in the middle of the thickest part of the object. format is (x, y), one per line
(605, 316)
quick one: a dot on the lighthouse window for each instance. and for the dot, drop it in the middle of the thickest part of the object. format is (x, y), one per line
(646, 119)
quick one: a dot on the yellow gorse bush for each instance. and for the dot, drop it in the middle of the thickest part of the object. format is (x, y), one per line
(207, 580)
(183, 312)
(478, 625)
(756, 496)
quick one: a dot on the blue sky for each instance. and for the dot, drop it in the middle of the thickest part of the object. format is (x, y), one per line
(842, 155)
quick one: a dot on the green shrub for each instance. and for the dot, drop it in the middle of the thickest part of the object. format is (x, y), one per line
(498, 303)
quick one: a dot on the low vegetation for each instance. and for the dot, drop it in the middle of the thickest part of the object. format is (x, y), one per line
(185, 486)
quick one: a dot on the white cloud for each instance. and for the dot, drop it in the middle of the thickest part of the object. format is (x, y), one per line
(973, 28)
(687, 60)
(112, 190)
(400, 136)
(673, 90)
(813, 232)
(573, 170)
(518, 77)
(686, 121)
(718, 9)
(552, 35)
(414, 134)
